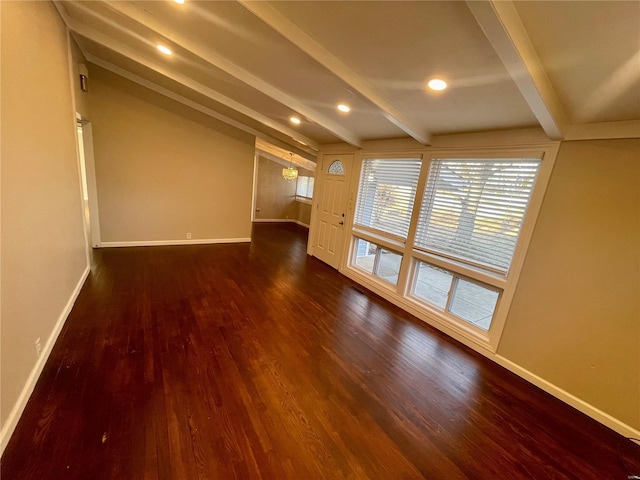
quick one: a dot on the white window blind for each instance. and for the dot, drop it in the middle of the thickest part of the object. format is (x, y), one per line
(304, 187)
(386, 194)
(473, 209)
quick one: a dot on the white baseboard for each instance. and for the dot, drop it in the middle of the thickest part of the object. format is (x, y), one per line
(281, 220)
(27, 390)
(298, 222)
(577, 403)
(274, 220)
(155, 243)
(552, 389)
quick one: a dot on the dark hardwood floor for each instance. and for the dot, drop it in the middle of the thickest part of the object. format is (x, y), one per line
(256, 361)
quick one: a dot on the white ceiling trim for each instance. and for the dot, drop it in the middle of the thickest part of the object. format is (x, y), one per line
(132, 12)
(503, 28)
(284, 155)
(311, 166)
(117, 47)
(183, 100)
(125, 51)
(315, 50)
(604, 130)
(63, 13)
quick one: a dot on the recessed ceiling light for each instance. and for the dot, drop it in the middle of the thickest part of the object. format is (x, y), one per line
(165, 50)
(181, 2)
(437, 84)
(344, 108)
(295, 120)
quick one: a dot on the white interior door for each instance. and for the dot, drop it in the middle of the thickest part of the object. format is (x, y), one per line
(332, 208)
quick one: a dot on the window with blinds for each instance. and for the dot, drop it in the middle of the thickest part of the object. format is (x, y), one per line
(386, 194)
(304, 187)
(473, 209)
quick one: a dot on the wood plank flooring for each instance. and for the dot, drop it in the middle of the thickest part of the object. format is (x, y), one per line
(256, 361)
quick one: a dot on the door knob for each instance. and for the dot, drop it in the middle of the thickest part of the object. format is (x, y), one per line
(340, 222)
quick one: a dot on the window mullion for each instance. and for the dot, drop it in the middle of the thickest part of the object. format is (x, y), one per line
(405, 267)
(452, 290)
(376, 261)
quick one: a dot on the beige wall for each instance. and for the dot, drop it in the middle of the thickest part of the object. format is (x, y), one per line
(160, 174)
(275, 197)
(575, 318)
(43, 252)
(303, 212)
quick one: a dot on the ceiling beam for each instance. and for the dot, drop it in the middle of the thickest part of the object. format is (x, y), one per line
(311, 166)
(190, 103)
(185, 81)
(505, 31)
(283, 156)
(149, 22)
(285, 27)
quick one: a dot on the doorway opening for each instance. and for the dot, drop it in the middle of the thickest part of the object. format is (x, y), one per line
(277, 198)
(84, 140)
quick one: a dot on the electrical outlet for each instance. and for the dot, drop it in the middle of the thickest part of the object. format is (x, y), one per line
(38, 347)
(188, 236)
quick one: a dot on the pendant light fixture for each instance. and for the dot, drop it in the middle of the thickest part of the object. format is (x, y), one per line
(290, 173)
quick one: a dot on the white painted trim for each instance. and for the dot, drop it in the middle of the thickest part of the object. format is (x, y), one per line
(254, 189)
(10, 424)
(278, 154)
(213, 58)
(465, 335)
(604, 130)
(16, 412)
(62, 12)
(501, 138)
(480, 341)
(92, 185)
(156, 243)
(79, 155)
(548, 154)
(307, 159)
(470, 340)
(176, 97)
(501, 24)
(289, 30)
(125, 51)
(274, 220)
(281, 220)
(298, 222)
(568, 398)
(522, 245)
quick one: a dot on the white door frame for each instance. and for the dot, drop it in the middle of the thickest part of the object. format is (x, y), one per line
(92, 188)
(324, 160)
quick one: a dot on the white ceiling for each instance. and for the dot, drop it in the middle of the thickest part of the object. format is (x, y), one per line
(255, 64)
(591, 53)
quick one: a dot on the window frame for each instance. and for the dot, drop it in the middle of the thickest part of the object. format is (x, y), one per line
(302, 198)
(445, 312)
(400, 294)
(376, 264)
(376, 232)
(467, 260)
